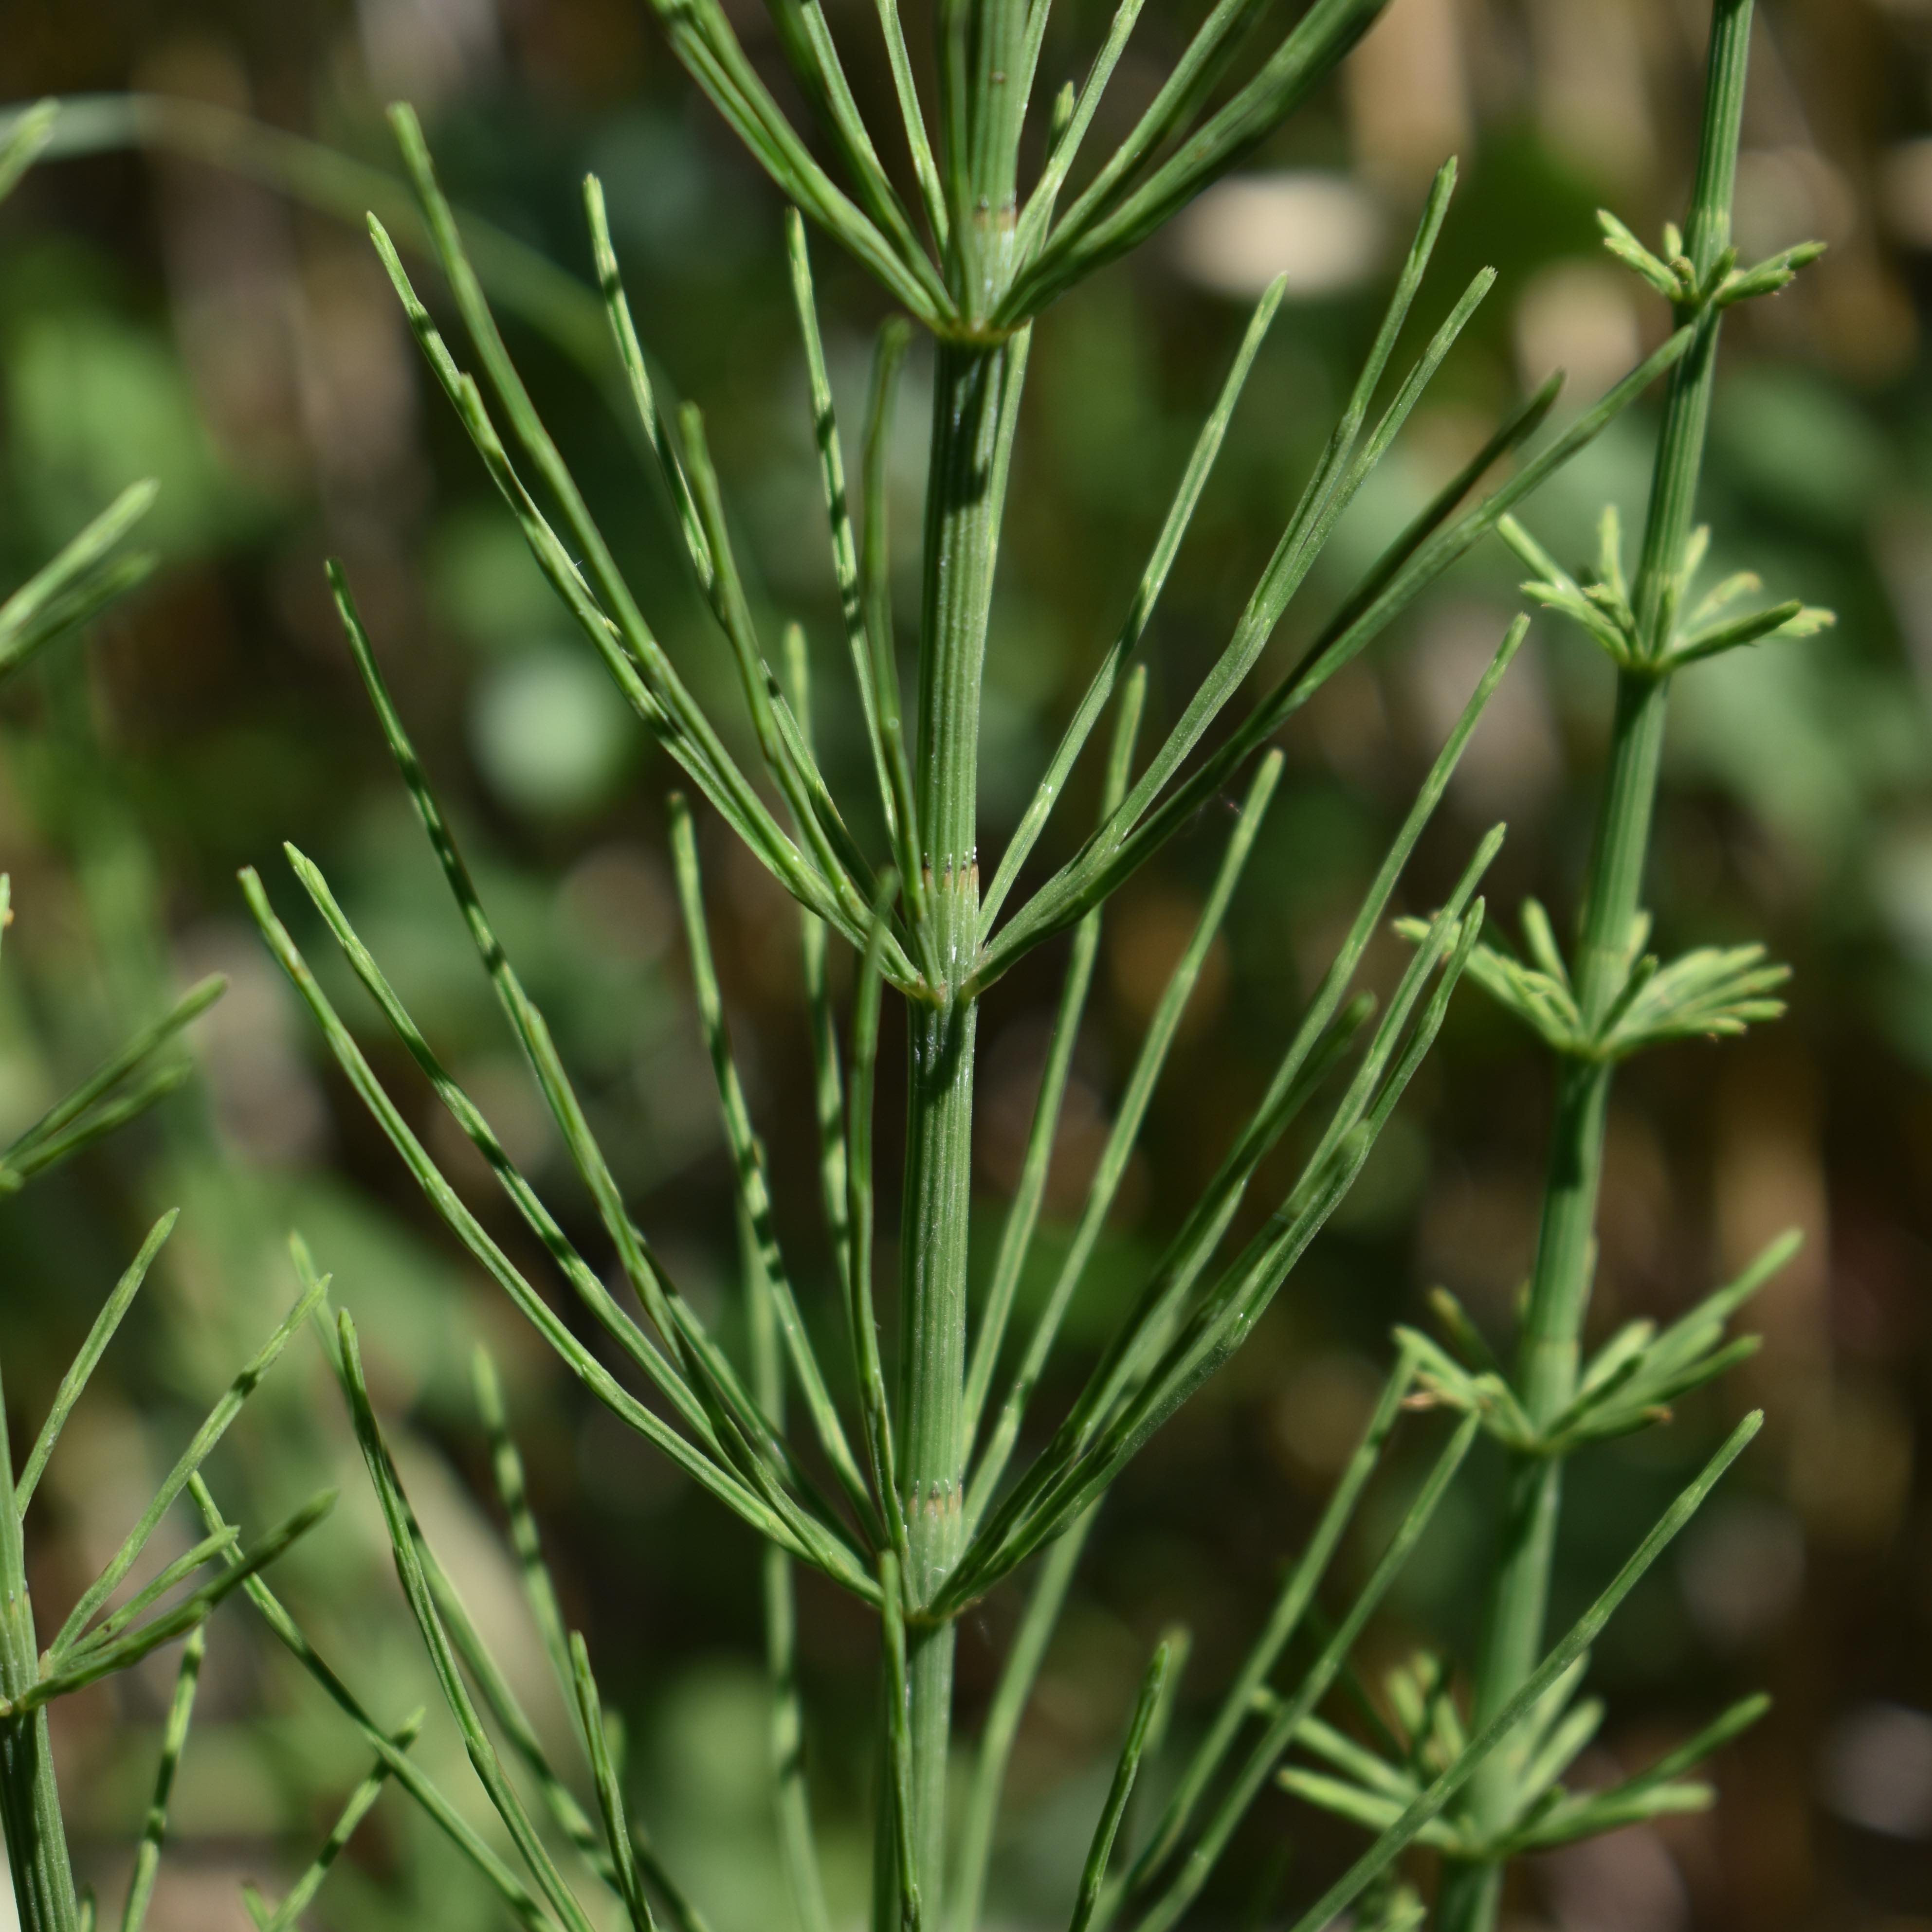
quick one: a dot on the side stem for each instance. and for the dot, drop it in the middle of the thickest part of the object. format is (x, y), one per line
(43, 1894)
(976, 392)
(1552, 1326)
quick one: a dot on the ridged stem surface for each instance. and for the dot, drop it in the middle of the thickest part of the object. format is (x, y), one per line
(971, 424)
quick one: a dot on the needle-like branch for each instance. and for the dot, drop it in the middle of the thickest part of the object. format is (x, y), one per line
(1022, 1213)
(748, 1162)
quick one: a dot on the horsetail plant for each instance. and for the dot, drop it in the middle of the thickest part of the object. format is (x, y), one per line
(918, 1489)
(1615, 1000)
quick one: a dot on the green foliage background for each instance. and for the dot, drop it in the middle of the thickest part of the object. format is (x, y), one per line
(160, 317)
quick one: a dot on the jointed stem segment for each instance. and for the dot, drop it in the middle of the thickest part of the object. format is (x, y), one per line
(975, 402)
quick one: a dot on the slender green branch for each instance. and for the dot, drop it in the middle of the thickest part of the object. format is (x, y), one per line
(398, 1521)
(528, 1909)
(361, 1801)
(75, 1381)
(1086, 715)
(1099, 1853)
(1283, 1721)
(174, 1737)
(1435, 541)
(1535, 1688)
(1112, 1168)
(190, 1459)
(754, 1192)
(1023, 1212)
(705, 1365)
(1010, 1697)
(875, 568)
(590, 1723)
(931, 196)
(791, 1795)
(1291, 1605)
(741, 1488)
(92, 1108)
(838, 509)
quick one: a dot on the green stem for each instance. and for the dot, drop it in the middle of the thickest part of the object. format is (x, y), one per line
(1558, 1299)
(999, 87)
(976, 393)
(43, 1894)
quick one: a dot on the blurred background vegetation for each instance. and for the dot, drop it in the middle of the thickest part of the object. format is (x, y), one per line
(161, 315)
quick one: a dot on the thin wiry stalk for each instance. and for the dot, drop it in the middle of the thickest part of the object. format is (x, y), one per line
(1112, 1167)
(591, 1723)
(744, 1488)
(1321, 505)
(528, 1909)
(80, 582)
(791, 1793)
(174, 1738)
(932, 197)
(875, 568)
(844, 549)
(633, 1845)
(807, 41)
(581, 1277)
(755, 1197)
(72, 1668)
(828, 1086)
(483, 1756)
(643, 390)
(709, 1381)
(608, 615)
(360, 1802)
(1039, 208)
(836, 857)
(1282, 1724)
(93, 1109)
(1023, 1659)
(1430, 545)
(1124, 1392)
(861, 1320)
(1023, 1214)
(1591, 1009)
(75, 1381)
(212, 1429)
(1291, 1605)
(1086, 715)
(1139, 1735)
(899, 1825)
(1085, 240)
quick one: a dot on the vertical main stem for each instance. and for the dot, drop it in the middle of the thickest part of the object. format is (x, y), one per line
(43, 1894)
(976, 390)
(1551, 1327)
